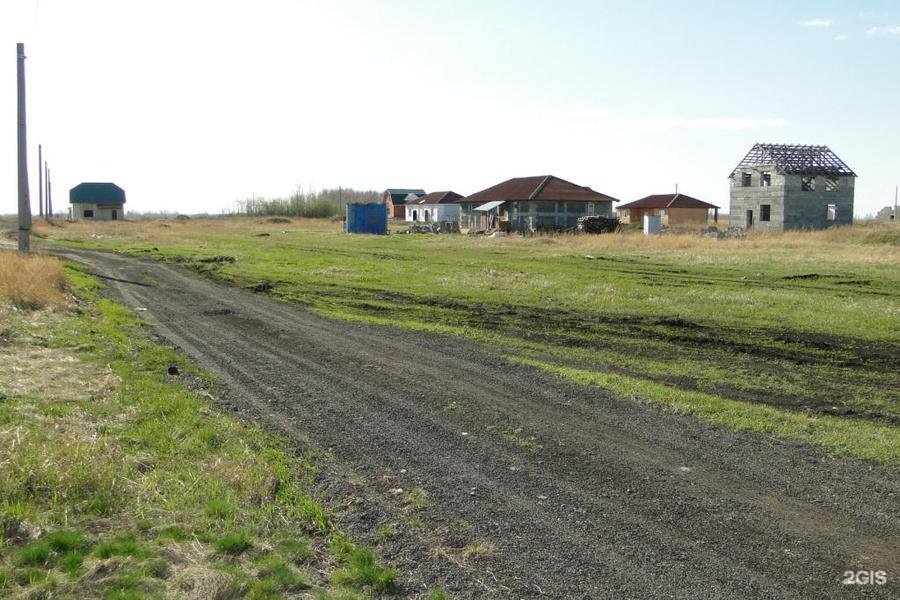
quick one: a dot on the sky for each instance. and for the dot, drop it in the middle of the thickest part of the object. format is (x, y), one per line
(191, 105)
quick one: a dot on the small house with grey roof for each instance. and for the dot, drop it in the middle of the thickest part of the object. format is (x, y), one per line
(783, 186)
(97, 201)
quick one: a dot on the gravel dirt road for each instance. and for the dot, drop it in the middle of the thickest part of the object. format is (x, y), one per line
(532, 487)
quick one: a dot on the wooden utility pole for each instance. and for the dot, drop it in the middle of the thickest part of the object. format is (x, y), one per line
(40, 183)
(49, 194)
(24, 200)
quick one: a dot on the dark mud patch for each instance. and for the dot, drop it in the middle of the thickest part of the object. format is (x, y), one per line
(389, 256)
(263, 286)
(860, 282)
(119, 280)
(679, 323)
(217, 260)
(217, 312)
(833, 280)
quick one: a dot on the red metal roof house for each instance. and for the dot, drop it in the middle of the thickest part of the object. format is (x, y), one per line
(538, 202)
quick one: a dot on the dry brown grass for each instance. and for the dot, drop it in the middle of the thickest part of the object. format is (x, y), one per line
(150, 229)
(865, 242)
(31, 281)
(863, 234)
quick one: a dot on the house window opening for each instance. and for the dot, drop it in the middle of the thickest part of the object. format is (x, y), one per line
(745, 179)
(808, 184)
(831, 212)
(88, 214)
(766, 182)
(765, 211)
(831, 184)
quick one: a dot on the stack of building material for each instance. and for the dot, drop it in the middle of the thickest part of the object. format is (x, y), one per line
(598, 224)
(442, 227)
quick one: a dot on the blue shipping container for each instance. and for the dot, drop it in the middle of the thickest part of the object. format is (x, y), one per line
(367, 218)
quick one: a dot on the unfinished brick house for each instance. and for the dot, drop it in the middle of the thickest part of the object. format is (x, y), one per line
(785, 186)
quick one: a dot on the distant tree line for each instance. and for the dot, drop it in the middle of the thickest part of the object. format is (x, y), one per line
(321, 204)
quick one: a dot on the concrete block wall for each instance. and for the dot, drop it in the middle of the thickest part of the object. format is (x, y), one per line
(809, 209)
(791, 207)
(754, 196)
(554, 214)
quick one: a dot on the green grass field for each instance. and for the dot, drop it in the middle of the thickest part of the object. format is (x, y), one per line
(795, 335)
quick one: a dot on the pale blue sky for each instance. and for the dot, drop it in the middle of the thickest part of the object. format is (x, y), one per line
(192, 105)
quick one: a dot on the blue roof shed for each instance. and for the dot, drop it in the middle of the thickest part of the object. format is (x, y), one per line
(97, 193)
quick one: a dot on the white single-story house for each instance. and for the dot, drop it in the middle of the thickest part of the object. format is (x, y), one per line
(436, 207)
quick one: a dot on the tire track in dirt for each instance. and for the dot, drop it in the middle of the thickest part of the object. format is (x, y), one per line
(602, 509)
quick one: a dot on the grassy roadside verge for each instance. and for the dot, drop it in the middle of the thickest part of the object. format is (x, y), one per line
(860, 439)
(118, 481)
